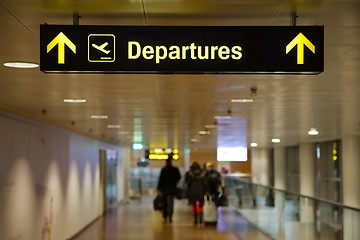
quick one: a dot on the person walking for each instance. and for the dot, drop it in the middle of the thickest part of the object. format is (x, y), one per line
(167, 184)
(213, 181)
(196, 187)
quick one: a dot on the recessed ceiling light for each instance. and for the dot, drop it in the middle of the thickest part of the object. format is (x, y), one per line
(75, 100)
(210, 126)
(99, 116)
(313, 132)
(204, 132)
(123, 132)
(253, 144)
(194, 140)
(275, 140)
(114, 126)
(21, 65)
(223, 117)
(244, 100)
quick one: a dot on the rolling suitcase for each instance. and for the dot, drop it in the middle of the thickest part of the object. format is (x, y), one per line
(209, 211)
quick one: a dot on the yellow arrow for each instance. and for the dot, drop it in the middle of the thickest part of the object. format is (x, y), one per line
(300, 40)
(61, 40)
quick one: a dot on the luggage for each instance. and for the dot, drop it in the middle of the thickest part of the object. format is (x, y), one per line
(179, 193)
(209, 211)
(158, 203)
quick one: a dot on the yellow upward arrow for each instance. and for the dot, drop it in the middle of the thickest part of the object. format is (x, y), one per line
(300, 40)
(61, 40)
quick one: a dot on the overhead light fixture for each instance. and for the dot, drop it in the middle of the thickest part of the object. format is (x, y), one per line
(99, 116)
(123, 132)
(313, 132)
(204, 132)
(113, 126)
(253, 144)
(275, 140)
(244, 100)
(223, 117)
(194, 140)
(21, 65)
(211, 126)
(74, 100)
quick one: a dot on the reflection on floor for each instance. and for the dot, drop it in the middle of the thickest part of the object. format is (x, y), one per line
(137, 220)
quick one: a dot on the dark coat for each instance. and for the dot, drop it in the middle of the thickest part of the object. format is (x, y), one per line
(195, 184)
(213, 181)
(168, 180)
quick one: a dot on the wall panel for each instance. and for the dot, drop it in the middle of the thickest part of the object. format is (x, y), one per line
(49, 180)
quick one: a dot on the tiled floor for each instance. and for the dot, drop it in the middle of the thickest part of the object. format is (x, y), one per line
(137, 220)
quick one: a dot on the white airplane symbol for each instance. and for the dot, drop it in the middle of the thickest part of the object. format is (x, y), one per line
(101, 47)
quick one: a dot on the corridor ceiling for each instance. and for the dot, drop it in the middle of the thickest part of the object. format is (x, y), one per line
(164, 110)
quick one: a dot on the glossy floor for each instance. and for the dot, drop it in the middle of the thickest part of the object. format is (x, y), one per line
(137, 220)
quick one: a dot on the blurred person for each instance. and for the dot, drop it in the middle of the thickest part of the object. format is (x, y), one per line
(213, 181)
(196, 188)
(167, 185)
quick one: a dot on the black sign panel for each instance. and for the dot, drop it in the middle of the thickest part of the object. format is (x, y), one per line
(180, 49)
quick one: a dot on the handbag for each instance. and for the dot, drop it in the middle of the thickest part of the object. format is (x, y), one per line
(179, 193)
(222, 200)
(158, 203)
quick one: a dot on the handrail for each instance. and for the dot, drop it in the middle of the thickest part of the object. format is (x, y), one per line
(296, 194)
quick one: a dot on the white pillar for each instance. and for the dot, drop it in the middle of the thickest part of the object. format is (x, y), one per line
(307, 169)
(280, 179)
(307, 160)
(279, 168)
(351, 187)
(351, 171)
(260, 165)
(260, 169)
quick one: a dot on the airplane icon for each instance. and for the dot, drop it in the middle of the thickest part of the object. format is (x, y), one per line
(101, 47)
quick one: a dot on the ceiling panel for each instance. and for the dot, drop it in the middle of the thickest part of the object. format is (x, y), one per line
(170, 110)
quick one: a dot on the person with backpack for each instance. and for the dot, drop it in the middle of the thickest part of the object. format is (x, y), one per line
(213, 181)
(215, 187)
(196, 189)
